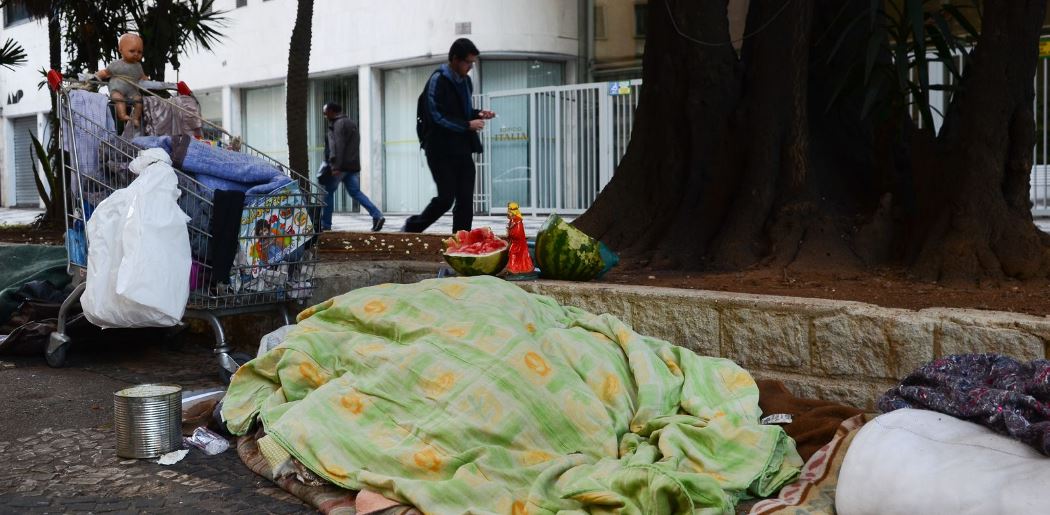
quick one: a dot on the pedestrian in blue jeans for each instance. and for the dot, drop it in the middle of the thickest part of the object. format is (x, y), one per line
(343, 165)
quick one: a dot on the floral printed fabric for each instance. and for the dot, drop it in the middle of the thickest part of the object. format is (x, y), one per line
(996, 391)
(471, 395)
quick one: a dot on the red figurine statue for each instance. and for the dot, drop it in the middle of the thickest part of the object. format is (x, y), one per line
(519, 262)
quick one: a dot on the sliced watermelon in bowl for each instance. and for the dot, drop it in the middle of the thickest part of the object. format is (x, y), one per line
(476, 252)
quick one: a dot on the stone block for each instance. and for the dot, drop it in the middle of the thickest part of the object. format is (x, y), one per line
(683, 322)
(885, 347)
(761, 339)
(912, 343)
(959, 339)
(860, 394)
(594, 300)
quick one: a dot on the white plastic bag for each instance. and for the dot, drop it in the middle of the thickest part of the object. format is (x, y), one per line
(139, 251)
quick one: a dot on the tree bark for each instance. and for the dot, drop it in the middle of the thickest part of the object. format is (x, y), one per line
(57, 208)
(54, 41)
(298, 88)
(674, 156)
(973, 217)
(740, 162)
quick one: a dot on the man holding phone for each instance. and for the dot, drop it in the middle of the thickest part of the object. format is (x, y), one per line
(451, 139)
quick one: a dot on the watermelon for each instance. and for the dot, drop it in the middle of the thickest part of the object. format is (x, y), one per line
(567, 253)
(476, 252)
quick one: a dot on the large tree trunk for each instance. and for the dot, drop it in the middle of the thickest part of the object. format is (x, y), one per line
(737, 162)
(298, 87)
(974, 217)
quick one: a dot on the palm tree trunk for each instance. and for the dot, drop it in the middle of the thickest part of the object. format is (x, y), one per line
(57, 207)
(298, 87)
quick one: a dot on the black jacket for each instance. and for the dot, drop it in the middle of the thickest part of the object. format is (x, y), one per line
(342, 145)
(449, 132)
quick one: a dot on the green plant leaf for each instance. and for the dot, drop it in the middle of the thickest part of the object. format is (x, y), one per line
(869, 98)
(941, 41)
(832, 23)
(875, 45)
(842, 37)
(12, 54)
(841, 82)
(961, 19)
(922, 101)
(45, 164)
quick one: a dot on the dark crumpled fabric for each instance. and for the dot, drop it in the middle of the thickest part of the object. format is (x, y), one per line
(993, 390)
(171, 117)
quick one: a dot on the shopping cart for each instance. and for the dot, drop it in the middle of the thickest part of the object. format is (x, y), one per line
(272, 269)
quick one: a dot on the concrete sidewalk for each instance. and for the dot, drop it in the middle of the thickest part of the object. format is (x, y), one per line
(352, 222)
(18, 215)
(58, 443)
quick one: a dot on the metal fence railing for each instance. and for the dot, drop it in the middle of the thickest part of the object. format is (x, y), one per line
(553, 149)
(1039, 188)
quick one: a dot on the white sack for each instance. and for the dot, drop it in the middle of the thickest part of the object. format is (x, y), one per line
(139, 251)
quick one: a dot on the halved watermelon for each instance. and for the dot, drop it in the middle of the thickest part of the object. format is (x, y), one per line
(567, 253)
(476, 252)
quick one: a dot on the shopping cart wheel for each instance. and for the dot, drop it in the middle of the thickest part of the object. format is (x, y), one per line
(237, 358)
(56, 350)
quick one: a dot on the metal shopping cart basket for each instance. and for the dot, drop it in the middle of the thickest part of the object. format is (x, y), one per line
(270, 249)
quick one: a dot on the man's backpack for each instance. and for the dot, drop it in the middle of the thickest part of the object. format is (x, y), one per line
(423, 121)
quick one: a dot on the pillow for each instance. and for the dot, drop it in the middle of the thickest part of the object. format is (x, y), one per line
(915, 461)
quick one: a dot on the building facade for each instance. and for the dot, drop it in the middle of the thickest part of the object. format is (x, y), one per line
(372, 57)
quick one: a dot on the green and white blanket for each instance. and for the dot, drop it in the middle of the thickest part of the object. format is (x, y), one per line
(471, 395)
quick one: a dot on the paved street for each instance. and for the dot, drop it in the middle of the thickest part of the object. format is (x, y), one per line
(58, 447)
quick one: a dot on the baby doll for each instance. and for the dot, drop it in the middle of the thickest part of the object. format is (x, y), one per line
(123, 75)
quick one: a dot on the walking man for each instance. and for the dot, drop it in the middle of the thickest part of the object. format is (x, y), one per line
(342, 155)
(451, 138)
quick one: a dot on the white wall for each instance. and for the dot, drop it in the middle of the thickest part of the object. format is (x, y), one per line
(351, 33)
(347, 34)
(32, 35)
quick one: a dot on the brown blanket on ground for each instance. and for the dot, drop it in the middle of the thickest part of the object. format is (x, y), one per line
(814, 492)
(329, 499)
(814, 422)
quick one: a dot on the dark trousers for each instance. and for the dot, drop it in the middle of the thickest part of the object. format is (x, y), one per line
(454, 176)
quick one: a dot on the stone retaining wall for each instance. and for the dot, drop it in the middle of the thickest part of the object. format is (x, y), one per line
(843, 351)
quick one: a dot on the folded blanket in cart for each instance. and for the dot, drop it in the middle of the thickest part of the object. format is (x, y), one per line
(92, 124)
(218, 168)
(472, 395)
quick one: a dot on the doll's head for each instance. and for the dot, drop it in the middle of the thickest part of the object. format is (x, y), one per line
(513, 211)
(130, 46)
(262, 228)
